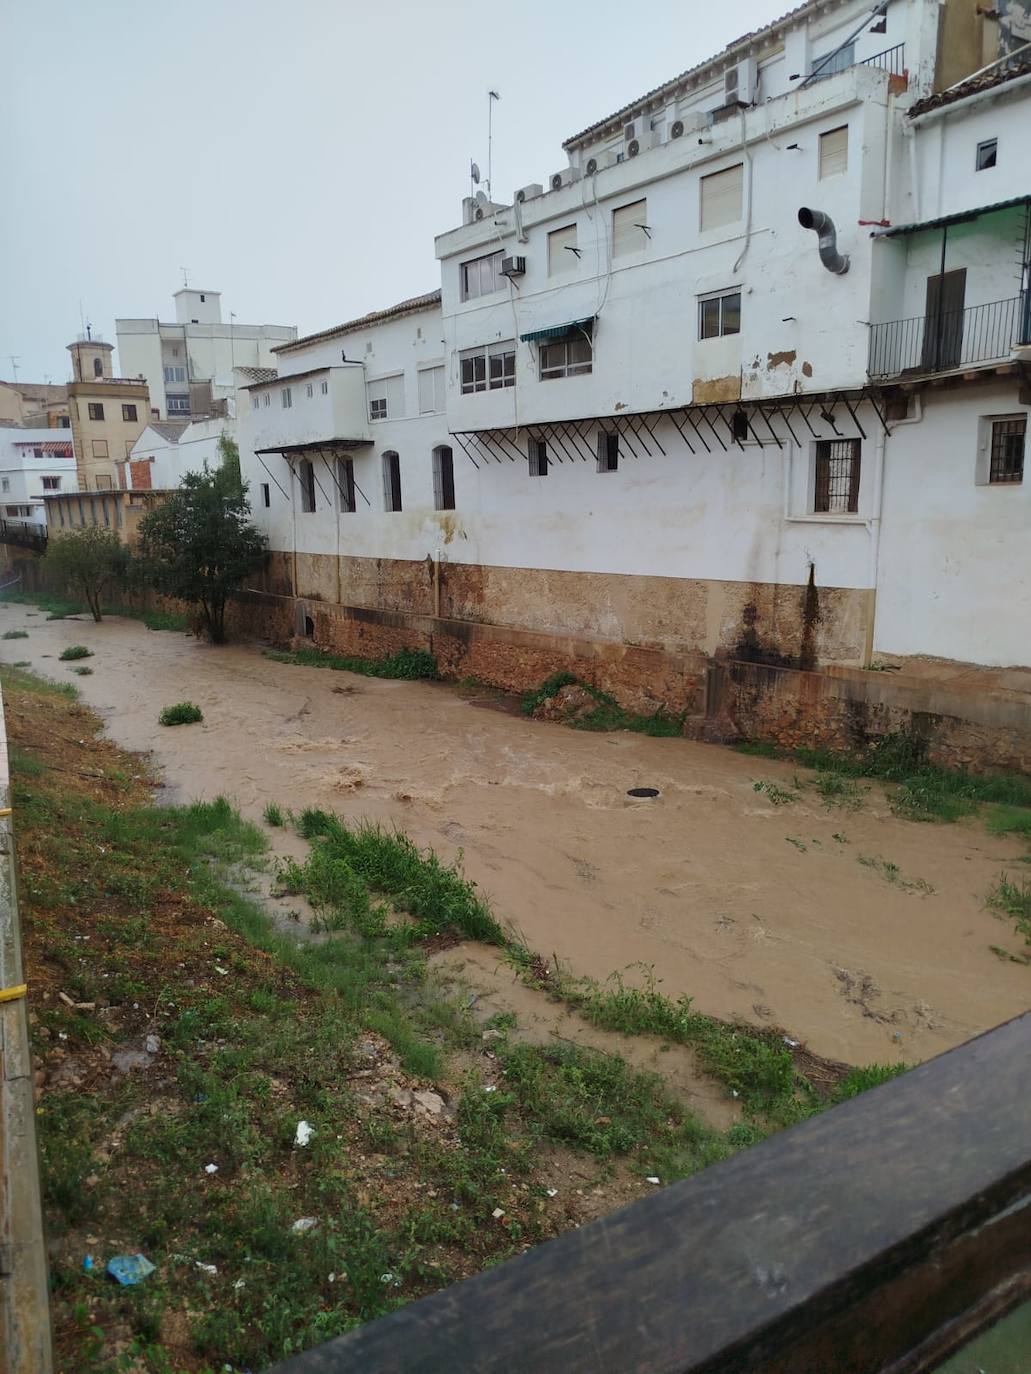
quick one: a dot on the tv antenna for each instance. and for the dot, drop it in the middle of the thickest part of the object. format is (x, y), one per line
(186, 283)
(491, 97)
(14, 359)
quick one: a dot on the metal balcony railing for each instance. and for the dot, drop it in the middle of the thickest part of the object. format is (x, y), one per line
(24, 534)
(891, 60)
(950, 339)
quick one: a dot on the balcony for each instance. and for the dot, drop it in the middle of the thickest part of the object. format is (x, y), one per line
(284, 418)
(951, 339)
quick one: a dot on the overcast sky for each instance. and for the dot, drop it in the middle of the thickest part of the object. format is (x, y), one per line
(300, 156)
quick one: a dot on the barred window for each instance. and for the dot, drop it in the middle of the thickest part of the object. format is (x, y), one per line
(837, 476)
(1007, 453)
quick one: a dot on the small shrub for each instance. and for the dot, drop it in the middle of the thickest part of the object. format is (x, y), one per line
(547, 689)
(15, 634)
(1013, 899)
(858, 1080)
(73, 652)
(183, 713)
(779, 796)
(273, 814)
(82, 671)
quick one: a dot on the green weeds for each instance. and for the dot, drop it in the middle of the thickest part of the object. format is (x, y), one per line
(73, 652)
(183, 713)
(15, 634)
(273, 814)
(83, 671)
(607, 714)
(1012, 899)
(891, 873)
(777, 796)
(409, 664)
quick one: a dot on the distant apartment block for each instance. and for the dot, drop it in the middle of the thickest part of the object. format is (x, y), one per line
(108, 414)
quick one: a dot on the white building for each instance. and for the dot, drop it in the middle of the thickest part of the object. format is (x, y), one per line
(33, 463)
(682, 423)
(189, 365)
(167, 449)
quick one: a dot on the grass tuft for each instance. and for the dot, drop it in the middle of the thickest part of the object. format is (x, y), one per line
(183, 713)
(15, 634)
(73, 652)
(607, 714)
(408, 664)
(1013, 899)
(82, 671)
(778, 796)
(273, 814)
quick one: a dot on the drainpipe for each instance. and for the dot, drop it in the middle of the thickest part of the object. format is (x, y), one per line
(823, 225)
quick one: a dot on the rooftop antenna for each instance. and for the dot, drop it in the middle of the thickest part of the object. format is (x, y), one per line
(186, 283)
(491, 97)
(14, 359)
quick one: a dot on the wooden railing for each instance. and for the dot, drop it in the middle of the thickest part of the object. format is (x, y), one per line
(878, 1237)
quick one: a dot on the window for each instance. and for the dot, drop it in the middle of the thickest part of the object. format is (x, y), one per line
(719, 315)
(51, 484)
(104, 483)
(562, 250)
(309, 390)
(324, 387)
(720, 198)
(266, 495)
(833, 152)
(180, 405)
(488, 369)
(5, 485)
(608, 451)
(255, 400)
(739, 426)
(98, 368)
(480, 277)
(175, 374)
(628, 232)
(538, 456)
(202, 297)
(1006, 458)
(836, 486)
(175, 352)
(306, 476)
(95, 409)
(99, 448)
(129, 413)
(391, 481)
(570, 357)
(987, 153)
(431, 391)
(345, 483)
(266, 398)
(443, 478)
(286, 397)
(386, 398)
(37, 453)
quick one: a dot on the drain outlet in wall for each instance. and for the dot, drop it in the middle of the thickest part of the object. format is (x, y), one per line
(643, 792)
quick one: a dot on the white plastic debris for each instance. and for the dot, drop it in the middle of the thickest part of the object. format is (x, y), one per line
(331, 1278)
(220, 969)
(207, 1268)
(211, 1168)
(552, 1192)
(153, 1044)
(303, 1224)
(304, 1133)
(386, 1278)
(498, 1213)
(792, 1043)
(651, 1179)
(239, 1284)
(491, 1088)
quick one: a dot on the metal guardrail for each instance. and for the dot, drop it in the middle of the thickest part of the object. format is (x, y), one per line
(891, 60)
(877, 1238)
(951, 339)
(24, 535)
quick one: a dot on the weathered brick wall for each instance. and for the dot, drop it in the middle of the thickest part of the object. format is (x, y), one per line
(849, 710)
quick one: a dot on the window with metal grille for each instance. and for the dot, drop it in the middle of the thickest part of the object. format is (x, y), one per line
(836, 488)
(287, 398)
(345, 481)
(391, 481)
(443, 478)
(306, 475)
(1007, 454)
(538, 456)
(608, 451)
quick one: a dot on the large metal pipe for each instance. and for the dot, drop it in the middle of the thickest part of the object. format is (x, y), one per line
(824, 226)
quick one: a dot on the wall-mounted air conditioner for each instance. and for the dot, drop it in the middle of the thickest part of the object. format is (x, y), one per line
(564, 178)
(629, 132)
(647, 138)
(597, 162)
(693, 122)
(513, 266)
(739, 82)
(530, 192)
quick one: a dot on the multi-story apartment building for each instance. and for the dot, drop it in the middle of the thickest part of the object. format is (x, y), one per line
(746, 377)
(33, 464)
(188, 365)
(33, 404)
(108, 414)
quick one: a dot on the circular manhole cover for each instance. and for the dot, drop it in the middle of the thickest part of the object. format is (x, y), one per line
(643, 792)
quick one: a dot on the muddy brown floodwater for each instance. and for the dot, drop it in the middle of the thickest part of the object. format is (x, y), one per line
(755, 911)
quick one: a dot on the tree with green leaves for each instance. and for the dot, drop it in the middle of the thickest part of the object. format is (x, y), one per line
(87, 560)
(199, 544)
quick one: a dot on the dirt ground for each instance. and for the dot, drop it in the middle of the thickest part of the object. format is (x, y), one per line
(757, 911)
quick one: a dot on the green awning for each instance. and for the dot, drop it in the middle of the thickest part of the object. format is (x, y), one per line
(559, 331)
(943, 221)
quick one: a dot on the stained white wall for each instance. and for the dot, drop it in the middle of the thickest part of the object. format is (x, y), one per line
(23, 473)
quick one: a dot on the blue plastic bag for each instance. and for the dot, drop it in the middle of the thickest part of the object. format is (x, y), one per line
(129, 1269)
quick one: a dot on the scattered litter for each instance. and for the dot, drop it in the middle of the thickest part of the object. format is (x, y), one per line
(386, 1278)
(152, 1044)
(498, 1213)
(129, 1269)
(304, 1133)
(552, 1192)
(734, 1092)
(792, 1043)
(87, 1264)
(211, 1168)
(331, 1278)
(239, 1284)
(62, 1035)
(491, 1088)
(303, 1224)
(651, 1179)
(206, 1268)
(220, 969)
(474, 997)
(77, 1006)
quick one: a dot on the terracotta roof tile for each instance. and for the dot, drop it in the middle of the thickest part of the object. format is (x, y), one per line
(393, 312)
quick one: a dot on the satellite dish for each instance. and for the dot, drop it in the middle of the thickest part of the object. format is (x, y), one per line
(481, 198)
(474, 172)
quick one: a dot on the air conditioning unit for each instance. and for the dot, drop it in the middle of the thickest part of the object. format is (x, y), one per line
(629, 132)
(530, 192)
(513, 266)
(739, 82)
(648, 138)
(691, 123)
(564, 178)
(599, 161)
